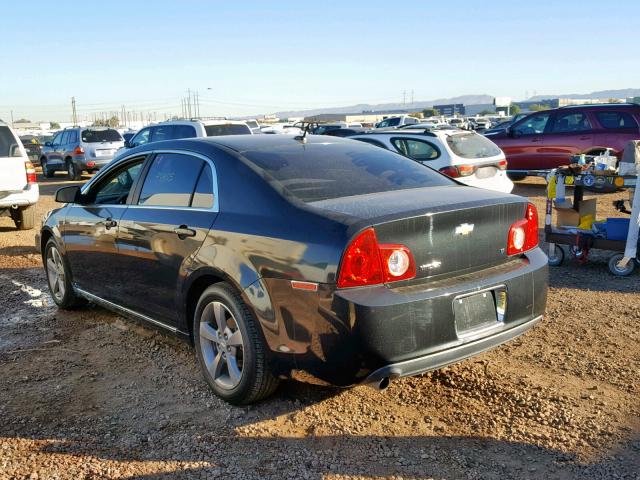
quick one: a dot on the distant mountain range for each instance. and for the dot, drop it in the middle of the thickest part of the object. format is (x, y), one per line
(465, 99)
(362, 107)
(602, 94)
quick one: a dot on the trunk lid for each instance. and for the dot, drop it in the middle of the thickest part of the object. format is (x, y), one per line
(13, 175)
(449, 230)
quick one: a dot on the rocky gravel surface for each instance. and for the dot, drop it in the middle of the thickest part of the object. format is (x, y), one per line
(87, 394)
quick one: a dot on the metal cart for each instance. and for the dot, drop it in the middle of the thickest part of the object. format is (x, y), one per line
(623, 261)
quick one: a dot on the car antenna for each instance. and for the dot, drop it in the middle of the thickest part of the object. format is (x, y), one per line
(302, 138)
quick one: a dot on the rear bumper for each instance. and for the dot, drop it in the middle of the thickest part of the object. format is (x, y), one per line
(450, 355)
(29, 196)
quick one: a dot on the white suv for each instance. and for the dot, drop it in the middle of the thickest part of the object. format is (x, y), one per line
(175, 129)
(18, 188)
(470, 158)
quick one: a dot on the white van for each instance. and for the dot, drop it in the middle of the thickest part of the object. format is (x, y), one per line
(18, 188)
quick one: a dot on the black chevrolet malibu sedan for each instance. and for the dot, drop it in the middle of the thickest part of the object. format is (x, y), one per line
(321, 259)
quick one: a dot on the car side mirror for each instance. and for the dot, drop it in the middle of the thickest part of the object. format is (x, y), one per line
(68, 194)
(48, 144)
(127, 144)
(512, 133)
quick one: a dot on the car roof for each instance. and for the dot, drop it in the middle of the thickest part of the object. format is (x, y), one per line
(603, 106)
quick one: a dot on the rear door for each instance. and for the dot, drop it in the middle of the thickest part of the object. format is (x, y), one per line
(13, 176)
(570, 132)
(616, 129)
(171, 216)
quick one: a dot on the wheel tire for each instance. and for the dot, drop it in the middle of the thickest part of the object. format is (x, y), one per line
(613, 266)
(517, 176)
(24, 217)
(72, 171)
(256, 380)
(558, 257)
(55, 263)
(45, 169)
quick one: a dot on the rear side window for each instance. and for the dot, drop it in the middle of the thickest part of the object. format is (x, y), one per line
(141, 138)
(203, 194)
(417, 149)
(73, 136)
(184, 131)
(472, 145)
(8, 143)
(616, 120)
(171, 180)
(571, 122)
(226, 129)
(315, 172)
(97, 136)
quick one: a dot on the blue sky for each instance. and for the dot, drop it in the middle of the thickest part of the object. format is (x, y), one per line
(258, 57)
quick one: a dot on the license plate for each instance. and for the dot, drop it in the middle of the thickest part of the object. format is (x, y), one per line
(486, 172)
(104, 153)
(474, 312)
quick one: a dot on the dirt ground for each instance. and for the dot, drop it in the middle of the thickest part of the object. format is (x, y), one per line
(87, 394)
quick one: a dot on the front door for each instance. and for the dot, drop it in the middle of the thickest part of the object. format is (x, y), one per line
(524, 144)
(570, 133)
(163, 230)
(91, 229)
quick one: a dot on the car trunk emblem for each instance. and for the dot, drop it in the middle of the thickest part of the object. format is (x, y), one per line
(464, 229)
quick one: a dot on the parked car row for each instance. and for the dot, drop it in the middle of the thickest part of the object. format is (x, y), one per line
(547, 139)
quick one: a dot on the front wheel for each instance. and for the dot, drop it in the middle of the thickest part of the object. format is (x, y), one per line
(58, 277)
(229, 347)
(46, 170)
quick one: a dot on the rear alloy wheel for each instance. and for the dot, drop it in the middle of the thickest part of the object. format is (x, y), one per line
(58, 277)
(620, 271)
(72, 171)
(229, 347)
(46, 171)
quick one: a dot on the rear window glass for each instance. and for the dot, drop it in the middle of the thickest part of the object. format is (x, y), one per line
(8, 143)
(96, 136)
(315, 172)
(472, 145)
(227, 129)
(171, 180)
(616, 120)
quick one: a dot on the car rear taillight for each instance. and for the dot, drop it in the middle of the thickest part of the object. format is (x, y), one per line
(366, 262)
(523, 234)
(31, 172)
(78, 151)
(91, 164)
(502, 165)
(458, 171)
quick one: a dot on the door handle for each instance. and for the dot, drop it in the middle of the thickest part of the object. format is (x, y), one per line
(183, 232)
(110, 223)
(535, 139)
(585, 138)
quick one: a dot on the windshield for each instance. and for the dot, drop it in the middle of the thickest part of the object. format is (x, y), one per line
(315, 172)
(472, 145)
(97, 136)
(226, 129)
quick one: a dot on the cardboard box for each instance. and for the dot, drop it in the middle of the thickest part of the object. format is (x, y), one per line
(569, 217)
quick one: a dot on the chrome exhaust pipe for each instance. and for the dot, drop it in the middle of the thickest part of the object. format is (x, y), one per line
(381, 384)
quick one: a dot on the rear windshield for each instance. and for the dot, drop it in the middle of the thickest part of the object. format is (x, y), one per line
(97, 136)
(8, 143)
(227, 129)
(472, 145)
(315, 172)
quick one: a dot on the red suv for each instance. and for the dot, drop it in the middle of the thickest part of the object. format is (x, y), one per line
(546, 139)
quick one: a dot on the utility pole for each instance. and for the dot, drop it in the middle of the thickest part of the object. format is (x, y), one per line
(404, 97)
(73, 109)
(197, 104)
(412, 97)
(11, 118)
(189, 107)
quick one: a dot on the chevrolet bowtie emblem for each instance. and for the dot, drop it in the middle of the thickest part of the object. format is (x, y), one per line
(464, 229)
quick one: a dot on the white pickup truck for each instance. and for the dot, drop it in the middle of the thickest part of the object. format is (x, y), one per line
(18, 188)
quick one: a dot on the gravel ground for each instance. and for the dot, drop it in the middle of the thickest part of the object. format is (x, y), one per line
(86, 395)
